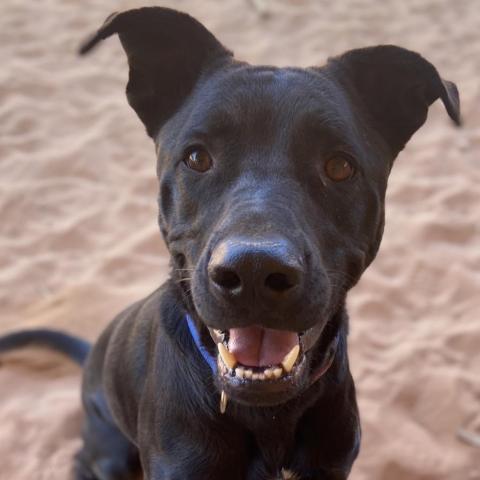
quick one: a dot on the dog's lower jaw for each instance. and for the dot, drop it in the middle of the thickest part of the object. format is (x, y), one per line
(263, 386)
(256, 389)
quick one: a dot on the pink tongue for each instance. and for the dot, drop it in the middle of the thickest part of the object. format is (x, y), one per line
(260, 347)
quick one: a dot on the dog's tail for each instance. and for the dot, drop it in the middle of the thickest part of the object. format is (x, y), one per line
(75, 348)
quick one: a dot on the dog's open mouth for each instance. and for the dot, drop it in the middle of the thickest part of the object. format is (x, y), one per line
(261, 366)
(255, 353)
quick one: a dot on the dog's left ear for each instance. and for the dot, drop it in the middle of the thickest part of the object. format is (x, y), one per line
(167, 53)
(394, 87)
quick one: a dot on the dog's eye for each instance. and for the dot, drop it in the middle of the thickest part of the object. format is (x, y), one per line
(199, 160)
(338, 168)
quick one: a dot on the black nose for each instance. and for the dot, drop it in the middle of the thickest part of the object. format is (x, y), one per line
(261, 269)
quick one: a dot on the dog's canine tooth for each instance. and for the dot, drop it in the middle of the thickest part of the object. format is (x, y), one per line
(290, 358)
(248, 373)
(228, 358)
(240, 372)
(277, 372)
(223, 402)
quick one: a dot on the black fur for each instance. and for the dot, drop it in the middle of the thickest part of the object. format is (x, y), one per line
(75, 348)
(147, 392)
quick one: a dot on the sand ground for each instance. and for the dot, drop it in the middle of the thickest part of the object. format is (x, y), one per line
(79, 239)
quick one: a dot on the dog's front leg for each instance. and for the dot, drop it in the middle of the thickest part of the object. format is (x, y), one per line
(327, 444)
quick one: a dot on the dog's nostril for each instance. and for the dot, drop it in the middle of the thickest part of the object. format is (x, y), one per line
(279, 282)
(226, 278)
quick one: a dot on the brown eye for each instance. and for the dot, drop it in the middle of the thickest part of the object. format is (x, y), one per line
(199, 160)
(338, 168)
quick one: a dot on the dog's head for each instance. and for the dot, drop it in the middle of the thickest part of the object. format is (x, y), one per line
(272, 185)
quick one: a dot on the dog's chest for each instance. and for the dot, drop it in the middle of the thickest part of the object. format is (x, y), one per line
(288, 475)
(274, 439)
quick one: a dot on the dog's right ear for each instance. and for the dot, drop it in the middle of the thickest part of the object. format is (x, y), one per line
(167, 53)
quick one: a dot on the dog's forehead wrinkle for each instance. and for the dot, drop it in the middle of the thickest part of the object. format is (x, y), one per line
(241, 93)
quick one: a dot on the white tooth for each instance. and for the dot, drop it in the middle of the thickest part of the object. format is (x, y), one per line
(228, 358)
(269, 373)
(261, 376)
(223, 402)
(290, 358)
(255, 376)
(239, 372)
(248, 373)
(277, 373)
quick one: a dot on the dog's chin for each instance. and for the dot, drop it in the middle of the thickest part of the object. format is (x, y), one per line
(272, 371)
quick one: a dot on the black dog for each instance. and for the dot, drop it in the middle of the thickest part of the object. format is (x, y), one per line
(272, 186)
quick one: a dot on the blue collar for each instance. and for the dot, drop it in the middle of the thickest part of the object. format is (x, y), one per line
(212, 363)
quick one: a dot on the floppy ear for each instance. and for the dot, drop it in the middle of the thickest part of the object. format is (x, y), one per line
(395, 87)
(167, 53)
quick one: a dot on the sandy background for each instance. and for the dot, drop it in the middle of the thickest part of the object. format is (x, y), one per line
(79, 239)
